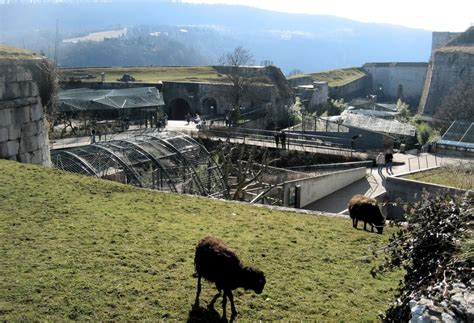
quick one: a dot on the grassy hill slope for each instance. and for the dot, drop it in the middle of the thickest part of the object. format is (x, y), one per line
(7, 52)
(336, 77)
(147, 74)
(74, 247)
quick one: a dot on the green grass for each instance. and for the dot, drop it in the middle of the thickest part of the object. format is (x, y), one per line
(148, 74)
(7, 52)
(74, 247)
(459, 178)
(337, 77)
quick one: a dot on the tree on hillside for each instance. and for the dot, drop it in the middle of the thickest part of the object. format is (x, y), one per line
(242, 84)
(456, 105)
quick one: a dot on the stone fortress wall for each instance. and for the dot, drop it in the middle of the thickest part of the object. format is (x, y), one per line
(397, 80)
(422, 85)
(270, 92)
(23, 131)
(351, 90)
(440, 39)
(452, 63)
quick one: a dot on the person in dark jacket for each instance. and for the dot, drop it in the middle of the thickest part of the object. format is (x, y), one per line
(389, 162)
(277, 138)
(283, 139)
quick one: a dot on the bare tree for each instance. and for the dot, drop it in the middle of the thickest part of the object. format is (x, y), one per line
(240, 56)
(456, 105)
(241, 83)
(240, 161)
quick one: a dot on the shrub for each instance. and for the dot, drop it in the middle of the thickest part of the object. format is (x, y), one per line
(430, 247)
(424, 133)
(335, 107)
(294, 112)
(403, 111)
(45, 75)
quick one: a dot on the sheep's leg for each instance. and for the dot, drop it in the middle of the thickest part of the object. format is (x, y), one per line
(354, 222)
(196, 302)
(372, 230)
(214, 299)
(232, 305)
(365, 226)
(224, 304)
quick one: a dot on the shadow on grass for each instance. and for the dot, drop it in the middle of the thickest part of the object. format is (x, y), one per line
(204, 314)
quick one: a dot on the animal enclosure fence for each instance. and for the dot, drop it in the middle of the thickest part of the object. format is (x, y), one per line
(167, 161)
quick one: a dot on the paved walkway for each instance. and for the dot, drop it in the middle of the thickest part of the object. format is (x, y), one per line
(372, 185)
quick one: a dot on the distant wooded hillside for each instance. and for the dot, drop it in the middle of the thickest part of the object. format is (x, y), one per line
(199, 34)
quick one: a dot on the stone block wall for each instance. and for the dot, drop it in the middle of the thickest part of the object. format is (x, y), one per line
(23, 131)
(448, 69)
(351, 90)
(409, 78)
(440, 39)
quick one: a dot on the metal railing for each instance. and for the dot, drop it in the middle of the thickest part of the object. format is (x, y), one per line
(423, 161)
(266, 138)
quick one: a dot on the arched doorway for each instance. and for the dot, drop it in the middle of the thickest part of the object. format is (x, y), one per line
(209, 107)
(178, 109)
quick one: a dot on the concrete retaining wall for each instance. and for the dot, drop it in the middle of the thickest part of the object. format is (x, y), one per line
(315, 188)
(23, 133)
(410, 191)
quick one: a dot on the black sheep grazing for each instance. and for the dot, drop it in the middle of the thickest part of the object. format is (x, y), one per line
(366, 209)
(217, 263)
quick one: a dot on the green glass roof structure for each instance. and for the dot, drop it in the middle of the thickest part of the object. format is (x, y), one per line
(93, 100)
(372, 123)
(459, 134)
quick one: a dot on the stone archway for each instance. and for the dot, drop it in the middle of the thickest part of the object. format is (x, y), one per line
(178, 109)
(209, 107)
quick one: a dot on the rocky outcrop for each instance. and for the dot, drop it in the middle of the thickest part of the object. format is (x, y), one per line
(459, 308)
(23, 133)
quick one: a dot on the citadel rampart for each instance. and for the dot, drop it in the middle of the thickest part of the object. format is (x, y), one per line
(451, 65)
(23, 134)
(440, 39)
(351, 90)
(392, 81)
(269, 91)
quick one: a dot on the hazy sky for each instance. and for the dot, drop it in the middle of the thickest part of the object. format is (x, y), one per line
(454, 15)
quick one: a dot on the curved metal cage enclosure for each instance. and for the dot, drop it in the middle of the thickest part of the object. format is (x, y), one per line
(167, 161)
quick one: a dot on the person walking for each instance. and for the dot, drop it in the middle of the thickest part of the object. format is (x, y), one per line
(277, 138)
(188, 118)
(380, 161)
(283, 139)
(92, 136)
(389, 162)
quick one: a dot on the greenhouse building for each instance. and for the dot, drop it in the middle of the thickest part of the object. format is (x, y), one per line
(459, 138)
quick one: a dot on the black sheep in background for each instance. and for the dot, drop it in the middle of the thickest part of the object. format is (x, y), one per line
(366, 209)
(217, 263)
